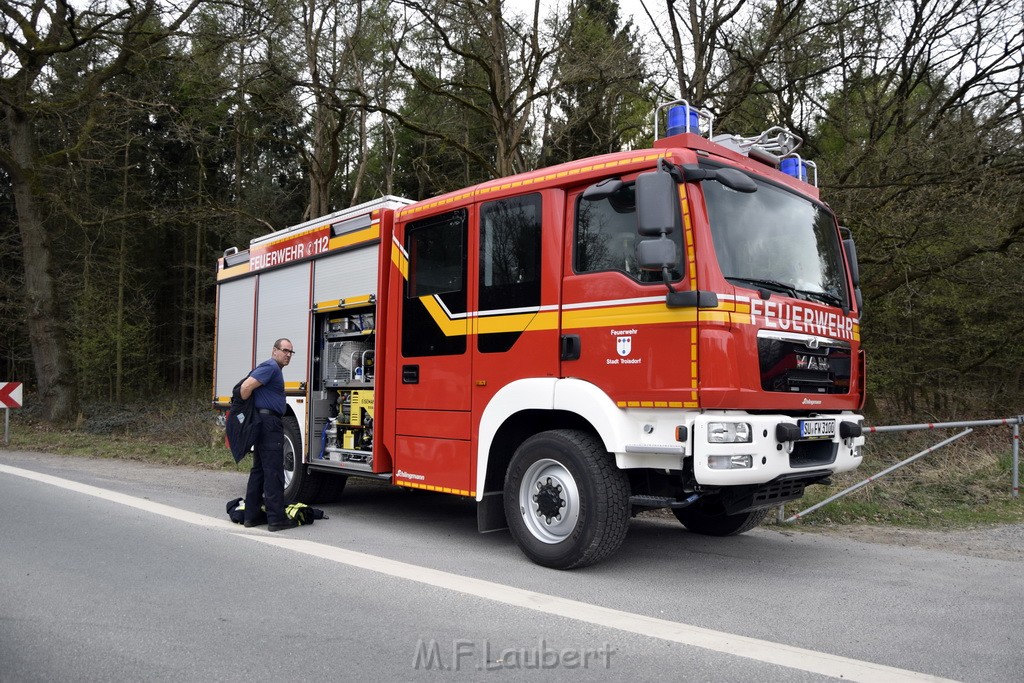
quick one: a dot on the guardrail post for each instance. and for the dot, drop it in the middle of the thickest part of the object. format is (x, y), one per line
(1016, 456)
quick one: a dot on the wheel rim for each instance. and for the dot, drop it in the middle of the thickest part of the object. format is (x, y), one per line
(289, 461)
(549, 501)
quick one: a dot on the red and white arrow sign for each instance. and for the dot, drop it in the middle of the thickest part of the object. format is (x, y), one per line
(10, 394)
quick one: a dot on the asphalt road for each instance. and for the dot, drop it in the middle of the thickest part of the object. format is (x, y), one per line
(113, 570)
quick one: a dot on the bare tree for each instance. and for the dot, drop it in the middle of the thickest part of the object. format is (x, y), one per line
(696, 40)
(489, 66)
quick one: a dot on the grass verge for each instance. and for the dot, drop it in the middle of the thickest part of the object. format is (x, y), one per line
(967, 483)
(122, 447)
(181, 433)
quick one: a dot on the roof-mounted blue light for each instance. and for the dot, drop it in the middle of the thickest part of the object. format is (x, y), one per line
(796, 167)
(683, 119)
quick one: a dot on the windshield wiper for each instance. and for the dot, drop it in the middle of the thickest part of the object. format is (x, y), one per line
(789, 290)
(769, 285)
(822, 297)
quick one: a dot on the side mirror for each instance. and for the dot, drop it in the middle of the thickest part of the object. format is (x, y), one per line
(656, 255)
(732, 178)
(735, 179)
(851, 258)
(603, 189)
(657, 204)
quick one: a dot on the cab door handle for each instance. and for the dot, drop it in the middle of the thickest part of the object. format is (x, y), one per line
(571, 347)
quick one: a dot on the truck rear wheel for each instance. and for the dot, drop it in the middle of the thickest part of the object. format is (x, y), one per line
(711, 520)
(567, 505)
(301, 485)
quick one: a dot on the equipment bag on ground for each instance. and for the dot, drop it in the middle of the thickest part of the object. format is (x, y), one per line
(300, 512)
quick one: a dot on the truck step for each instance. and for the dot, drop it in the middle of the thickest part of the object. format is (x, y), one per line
(663, 501)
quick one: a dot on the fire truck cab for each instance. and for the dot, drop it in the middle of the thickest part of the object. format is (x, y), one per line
(675, 328)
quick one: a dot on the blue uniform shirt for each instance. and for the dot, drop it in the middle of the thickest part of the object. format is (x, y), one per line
(270, 395)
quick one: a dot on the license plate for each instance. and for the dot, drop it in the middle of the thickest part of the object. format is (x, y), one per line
(817, 429)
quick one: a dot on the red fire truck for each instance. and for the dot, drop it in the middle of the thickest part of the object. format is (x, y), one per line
(674, 327)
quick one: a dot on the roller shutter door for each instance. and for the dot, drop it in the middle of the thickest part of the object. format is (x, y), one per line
(236, 307)
(283, 311)
(353, 273)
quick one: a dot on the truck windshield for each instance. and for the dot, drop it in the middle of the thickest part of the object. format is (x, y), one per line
(776, 240)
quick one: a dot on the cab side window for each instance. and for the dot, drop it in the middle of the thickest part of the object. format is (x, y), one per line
(606, 237)
(510, 263)
(435, 293)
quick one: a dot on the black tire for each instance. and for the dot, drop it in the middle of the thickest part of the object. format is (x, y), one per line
(711, 520)
(298, 487)
(331, 487)
(566, 503)
(301, 485)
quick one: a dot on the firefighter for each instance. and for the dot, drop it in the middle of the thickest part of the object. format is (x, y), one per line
(266, 478)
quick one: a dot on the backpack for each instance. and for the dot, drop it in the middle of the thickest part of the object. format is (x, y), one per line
(241, 422)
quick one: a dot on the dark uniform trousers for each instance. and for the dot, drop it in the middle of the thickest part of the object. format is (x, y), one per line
(266, 478)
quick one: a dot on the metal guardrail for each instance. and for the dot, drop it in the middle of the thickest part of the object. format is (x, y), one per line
(1013, 422)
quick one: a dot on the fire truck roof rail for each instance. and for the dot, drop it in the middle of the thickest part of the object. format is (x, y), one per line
(768, 147)
(775, 147)
(384, 202)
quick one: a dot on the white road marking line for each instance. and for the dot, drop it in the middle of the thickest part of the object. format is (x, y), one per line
(123, 499)
(696, 636)
(685, 634)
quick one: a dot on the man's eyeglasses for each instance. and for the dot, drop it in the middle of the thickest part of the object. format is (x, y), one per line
(288, 351)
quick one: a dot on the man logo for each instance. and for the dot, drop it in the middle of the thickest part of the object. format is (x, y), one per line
(624, 345)
(812, 363)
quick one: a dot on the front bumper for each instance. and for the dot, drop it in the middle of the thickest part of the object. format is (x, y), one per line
(771, 452)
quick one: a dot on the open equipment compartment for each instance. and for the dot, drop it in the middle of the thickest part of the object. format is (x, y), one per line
(343, 394)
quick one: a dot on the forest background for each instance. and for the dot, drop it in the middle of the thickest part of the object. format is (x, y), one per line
(141, 138)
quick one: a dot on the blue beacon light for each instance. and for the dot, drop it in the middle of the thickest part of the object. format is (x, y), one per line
(683, 119)
(795, 167)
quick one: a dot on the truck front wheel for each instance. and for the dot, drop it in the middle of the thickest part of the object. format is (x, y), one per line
(711, 520)
(293, 470)
(567, 505)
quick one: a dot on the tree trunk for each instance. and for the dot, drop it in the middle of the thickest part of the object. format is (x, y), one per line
(197, 288)
(119, 340)
(319, 179)
(54, 373)
(364, 157)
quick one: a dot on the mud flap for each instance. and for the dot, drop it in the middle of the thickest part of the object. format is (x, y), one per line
(490, 513)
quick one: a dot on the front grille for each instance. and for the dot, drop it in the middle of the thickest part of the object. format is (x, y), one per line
(790, 365)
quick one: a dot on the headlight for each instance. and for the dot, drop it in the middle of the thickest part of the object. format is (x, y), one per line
(728, 432)
(730, 462)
